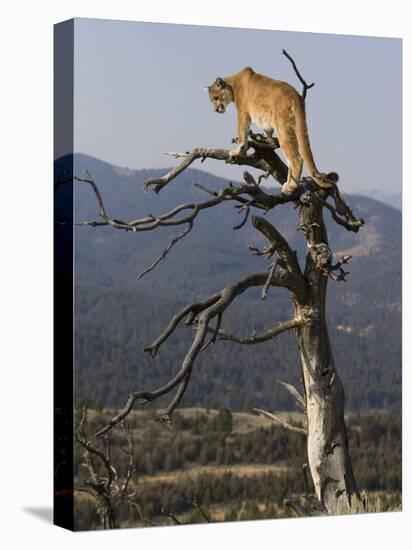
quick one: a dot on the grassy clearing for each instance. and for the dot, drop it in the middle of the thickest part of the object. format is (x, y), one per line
(193, 472)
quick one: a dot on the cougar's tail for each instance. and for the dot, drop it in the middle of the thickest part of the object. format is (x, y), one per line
(323, 180)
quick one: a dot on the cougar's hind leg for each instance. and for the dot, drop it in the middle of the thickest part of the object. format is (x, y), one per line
(289, 145)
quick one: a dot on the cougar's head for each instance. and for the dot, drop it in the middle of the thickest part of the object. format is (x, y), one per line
(220, 94)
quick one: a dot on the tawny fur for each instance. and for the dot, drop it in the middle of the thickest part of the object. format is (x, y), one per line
(272, 105)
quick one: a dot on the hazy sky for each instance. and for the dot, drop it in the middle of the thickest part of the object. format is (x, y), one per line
(139, 92)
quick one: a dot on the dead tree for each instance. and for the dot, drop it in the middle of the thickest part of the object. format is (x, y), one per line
(103, 484)
(323, 397)
(194, 502)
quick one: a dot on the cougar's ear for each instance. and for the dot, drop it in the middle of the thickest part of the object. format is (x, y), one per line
(220, 83)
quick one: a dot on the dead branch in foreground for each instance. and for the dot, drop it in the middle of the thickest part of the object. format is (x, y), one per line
(106, 488)
(281, 421)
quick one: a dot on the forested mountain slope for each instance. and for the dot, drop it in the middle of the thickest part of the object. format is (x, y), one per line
(117, 315)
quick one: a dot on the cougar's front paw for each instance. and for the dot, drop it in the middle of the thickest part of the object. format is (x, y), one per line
(234, 154)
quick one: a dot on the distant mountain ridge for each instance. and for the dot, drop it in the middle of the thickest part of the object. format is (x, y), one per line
(118, 315)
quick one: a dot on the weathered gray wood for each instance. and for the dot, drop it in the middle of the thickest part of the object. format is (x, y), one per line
(328, 453)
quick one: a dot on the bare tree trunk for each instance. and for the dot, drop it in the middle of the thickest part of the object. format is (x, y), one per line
(327, 444)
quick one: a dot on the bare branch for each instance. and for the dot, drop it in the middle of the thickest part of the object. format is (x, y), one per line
(118, 224)
(215, 332)
(204, 311)
(279, 243)
(88, 179)
(341, 275)
(267, 160)
(268, 251)
(107, 492)
(181, 377)
(151, 222)
(192, 309)
(294, 393)
(189, 157)
(267, 201)
(267, 284)
(166, 250)
(167, 415)
(283, 423)
(282, 279)
(205, 189)
(258, 339)
(305, 85)
(242, 223)
(257, 198)
(349, 222)
(81, 438)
